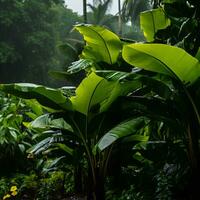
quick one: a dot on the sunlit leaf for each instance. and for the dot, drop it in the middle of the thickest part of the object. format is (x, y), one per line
(96, 94)
(169, 60)
(153, 20)
(101, 44)
(92, 91)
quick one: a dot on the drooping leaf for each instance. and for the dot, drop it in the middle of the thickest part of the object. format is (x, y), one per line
(165, 59)
(120, 131)
(39, 147)
(48, 97)
(153, 20)
(101, 44)
(79, 65)
(46, 143)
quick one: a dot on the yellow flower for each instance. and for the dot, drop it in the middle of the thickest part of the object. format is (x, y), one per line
(14, 193)
(6, 196)
(13, 188)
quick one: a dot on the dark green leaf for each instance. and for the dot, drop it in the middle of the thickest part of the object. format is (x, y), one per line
(48, 97)
(124, 129)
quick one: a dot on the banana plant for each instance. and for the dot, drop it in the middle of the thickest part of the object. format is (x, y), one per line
(172, 100)
(83, 113)
(86, 124)
(183, 106)
(113, 104)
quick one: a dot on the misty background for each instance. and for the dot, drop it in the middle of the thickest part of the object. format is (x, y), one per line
(36, 37)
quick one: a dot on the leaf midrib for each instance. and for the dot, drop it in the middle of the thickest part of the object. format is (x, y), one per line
(104, 44)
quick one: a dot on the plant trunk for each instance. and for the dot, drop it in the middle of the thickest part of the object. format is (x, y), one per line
(96, 190)
(78, 180)
(99, 188)
(194, 156)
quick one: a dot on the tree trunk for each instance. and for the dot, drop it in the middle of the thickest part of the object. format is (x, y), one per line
(120, 18)
(85, 11)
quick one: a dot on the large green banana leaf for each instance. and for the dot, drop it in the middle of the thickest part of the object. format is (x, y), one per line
(92, 91)
(153, 20)
(48, 97)
(101, 44)
(164, 59)
(95, 93)
(122, 130)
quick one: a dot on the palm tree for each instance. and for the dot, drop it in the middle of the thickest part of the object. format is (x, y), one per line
(120, 17)
(132, 8)
(99, 9)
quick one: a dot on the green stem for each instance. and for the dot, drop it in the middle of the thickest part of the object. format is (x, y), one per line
(107, 161)
(87, 151)
(193, 104)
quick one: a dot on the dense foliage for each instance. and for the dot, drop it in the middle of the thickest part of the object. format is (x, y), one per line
(30, 33)
(129, 129)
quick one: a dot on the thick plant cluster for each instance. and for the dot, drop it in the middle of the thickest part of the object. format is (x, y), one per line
(134, 117)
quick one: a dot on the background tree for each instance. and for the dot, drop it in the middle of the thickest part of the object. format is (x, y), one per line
(30, 33)
(131, 10)
(99, 12)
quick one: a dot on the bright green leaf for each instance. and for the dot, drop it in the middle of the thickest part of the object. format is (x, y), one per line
(164, 59)
(153, 20)
(97, 92)
(101, 44)
(48, 97)
(92, 91)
